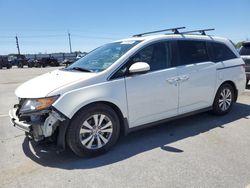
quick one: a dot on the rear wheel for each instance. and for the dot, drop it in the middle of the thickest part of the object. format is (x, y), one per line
(93, 130)
(224, 99)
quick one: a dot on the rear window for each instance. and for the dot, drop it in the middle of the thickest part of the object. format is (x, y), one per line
(192, 52)
(222, 52)
(245, 50)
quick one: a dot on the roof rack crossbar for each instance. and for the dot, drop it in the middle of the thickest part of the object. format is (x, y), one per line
(201, 31)
(174, 30)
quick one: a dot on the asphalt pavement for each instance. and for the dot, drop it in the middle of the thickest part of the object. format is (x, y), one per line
(198, 151)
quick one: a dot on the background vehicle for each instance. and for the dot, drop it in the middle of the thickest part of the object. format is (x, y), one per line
(245, 54)
(67, 62)
(48, 61)
(4, 62)
(18, 60)
(31, 63)
(35, 63)
(130, 84)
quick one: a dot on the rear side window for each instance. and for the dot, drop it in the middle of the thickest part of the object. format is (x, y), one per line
(222, 52)
(192, 52)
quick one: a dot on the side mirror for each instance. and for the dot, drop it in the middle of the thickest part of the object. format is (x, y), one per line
(139, 67)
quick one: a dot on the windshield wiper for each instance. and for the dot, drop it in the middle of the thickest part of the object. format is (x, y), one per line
(80, 69)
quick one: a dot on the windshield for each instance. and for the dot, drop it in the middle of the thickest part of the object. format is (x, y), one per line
(245, 50)
(102, 57)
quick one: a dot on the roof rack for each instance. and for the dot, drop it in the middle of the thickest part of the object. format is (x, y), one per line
(174, 30)
(201, 31)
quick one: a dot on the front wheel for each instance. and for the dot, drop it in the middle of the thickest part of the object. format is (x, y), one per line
(224, 100)
(93, 130)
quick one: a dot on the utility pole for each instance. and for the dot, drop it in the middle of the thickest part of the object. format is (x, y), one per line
(69, 42)
(17, 45)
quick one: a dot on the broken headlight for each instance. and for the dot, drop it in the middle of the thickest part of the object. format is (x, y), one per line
(31, 105)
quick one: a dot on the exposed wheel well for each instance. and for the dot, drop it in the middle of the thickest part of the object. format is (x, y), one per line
(116, 109)
(234, 87)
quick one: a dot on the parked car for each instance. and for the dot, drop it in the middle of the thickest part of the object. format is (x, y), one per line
(34, 63)
(79, 56)
(245, 54)
(67, 62)
(49, 61)
(4, 62)
(18, 60)
(31, 63)
(127, 85)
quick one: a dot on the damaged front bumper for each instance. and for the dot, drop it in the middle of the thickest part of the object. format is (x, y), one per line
(49, 123)
(18, 124)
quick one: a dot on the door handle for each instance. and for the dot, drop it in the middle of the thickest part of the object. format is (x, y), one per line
(184, 78)
(173, 80)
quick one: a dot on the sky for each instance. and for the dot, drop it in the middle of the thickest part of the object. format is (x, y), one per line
(42, 26)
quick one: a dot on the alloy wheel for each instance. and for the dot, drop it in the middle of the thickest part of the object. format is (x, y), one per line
(225, 99)
(96, 131)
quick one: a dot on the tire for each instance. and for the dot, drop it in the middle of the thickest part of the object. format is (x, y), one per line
(224, 99)
(86, 140)
(8, 66)
(20, 65)
(247, 82)
(30, 65)
(38, 65)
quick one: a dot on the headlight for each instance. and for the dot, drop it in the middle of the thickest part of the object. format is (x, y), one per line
(37, 104)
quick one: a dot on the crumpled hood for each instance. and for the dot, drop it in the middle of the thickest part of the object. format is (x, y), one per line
(41, 86)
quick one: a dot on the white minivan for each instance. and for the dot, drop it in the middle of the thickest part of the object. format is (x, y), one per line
(130, 84)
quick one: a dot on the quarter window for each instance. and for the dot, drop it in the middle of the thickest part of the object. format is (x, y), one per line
(222, 52)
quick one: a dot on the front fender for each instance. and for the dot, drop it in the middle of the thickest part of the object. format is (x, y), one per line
(113, 91)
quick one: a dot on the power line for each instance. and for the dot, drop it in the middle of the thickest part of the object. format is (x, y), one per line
(95, 37)
(62, 35)
(68, 35)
